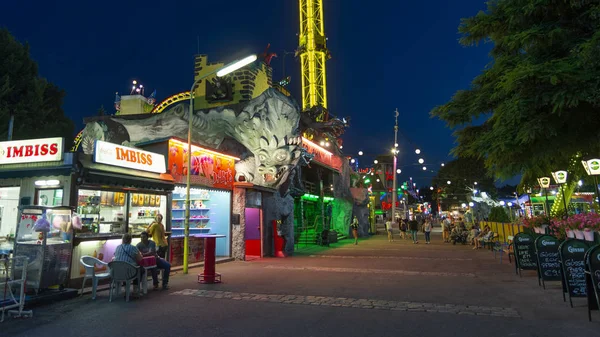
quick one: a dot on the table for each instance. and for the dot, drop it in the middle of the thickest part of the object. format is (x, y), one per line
(210, 244)
(144, 280)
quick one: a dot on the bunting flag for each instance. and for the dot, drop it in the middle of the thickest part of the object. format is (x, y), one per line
(117, 102)
(152, 98)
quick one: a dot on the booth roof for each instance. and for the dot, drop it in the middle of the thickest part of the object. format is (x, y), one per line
(103, 174)
(40, 169)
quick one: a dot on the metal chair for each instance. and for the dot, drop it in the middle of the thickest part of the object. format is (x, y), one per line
(121, 271)
(90, 263)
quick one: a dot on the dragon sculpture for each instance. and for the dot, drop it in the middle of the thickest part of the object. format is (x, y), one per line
(263, 132)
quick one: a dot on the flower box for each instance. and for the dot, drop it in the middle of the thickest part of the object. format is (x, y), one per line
(578, 234)
(588, 234)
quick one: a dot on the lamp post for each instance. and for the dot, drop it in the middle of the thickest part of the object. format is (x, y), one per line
(395, 151)
(510, 210)
(545, 184)
(592, 167)
(231, 67)
(561, 178)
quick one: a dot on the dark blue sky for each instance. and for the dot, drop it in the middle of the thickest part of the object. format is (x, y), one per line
(402, 55)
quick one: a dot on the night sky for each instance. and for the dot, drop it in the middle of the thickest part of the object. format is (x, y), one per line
(403, 55)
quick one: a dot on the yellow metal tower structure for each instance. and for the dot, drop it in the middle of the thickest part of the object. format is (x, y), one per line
(313, 54)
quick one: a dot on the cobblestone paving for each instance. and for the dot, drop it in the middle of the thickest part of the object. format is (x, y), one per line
(373, 271)
(359, 303)
(391, 257)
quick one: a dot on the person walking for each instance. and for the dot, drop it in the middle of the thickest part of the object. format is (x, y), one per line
(403, 229)
(354, 227)
(413, 225)
(157, 232)
(427, 229)
(388, 227)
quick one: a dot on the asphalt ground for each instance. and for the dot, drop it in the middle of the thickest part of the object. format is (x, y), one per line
(375, 288)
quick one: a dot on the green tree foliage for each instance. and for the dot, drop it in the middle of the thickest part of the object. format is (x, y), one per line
(35, 103)
(540, 96)
(463, 173)
(498, 214)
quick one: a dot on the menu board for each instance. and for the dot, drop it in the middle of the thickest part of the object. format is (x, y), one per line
(524, 246)
(546, 247)
(593, 265)
(572, 253)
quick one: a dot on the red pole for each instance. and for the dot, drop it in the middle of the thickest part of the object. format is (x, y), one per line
(209, 260)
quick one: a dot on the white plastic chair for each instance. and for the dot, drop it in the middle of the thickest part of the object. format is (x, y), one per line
(121, 271)
(90, 262)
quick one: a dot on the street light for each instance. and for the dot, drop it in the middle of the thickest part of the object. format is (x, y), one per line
(352, 161)
(502, 203)
(220, 73)
(421, 160)
(431, 188)
(475, 183)
(375, 161)
(360, 153)
(417, 151)
(394, 192)
(471, 204)
(464, 205)
(561, 178)
(398, 171)
(424, 168)
(592, 167)
(443, 164)
(510, 210)
(448, 182)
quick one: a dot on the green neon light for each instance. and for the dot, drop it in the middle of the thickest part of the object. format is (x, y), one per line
(367, 181)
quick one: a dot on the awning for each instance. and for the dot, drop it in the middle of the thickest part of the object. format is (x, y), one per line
(42, 169)
(106, 175)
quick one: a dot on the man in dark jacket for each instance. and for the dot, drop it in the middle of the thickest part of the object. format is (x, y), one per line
(413, 226)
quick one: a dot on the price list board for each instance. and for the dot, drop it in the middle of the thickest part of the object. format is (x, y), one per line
(572, 254)
(524, 247)
(592, 271)
(546, 247)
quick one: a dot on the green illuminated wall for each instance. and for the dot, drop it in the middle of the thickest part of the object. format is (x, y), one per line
(340, 216)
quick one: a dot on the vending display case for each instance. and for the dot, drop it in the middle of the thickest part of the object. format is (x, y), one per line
(143, 209)
(44, 236)
(102, 214)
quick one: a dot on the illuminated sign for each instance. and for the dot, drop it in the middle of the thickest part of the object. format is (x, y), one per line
(544, 182)
(31, 150)
(209, 168)
(122, 156)
(321, 155)
(560, 177)
(592, 166)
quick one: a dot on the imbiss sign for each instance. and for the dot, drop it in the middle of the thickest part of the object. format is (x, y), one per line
(117, 155)
(31, 150)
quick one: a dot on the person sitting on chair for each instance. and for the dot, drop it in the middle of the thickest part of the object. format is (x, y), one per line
(148, 248)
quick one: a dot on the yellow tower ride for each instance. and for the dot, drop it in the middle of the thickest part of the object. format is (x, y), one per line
(313, 54)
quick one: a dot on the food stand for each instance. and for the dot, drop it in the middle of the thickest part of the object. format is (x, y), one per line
(119, 189)
(44, 237)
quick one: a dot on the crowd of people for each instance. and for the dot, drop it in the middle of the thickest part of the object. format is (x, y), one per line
(454, 230)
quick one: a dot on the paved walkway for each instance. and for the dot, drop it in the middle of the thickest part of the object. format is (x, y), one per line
(377, 288)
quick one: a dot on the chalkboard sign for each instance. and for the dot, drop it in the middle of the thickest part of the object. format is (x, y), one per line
(572, 253)
(524, 247)
(546, 247)
(592, 261)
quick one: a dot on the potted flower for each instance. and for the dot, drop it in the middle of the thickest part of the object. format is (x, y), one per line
(592, 224)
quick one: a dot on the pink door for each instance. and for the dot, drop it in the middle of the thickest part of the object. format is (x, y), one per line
(253, 232)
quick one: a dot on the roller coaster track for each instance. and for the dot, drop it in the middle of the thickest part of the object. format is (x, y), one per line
(157, 109)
